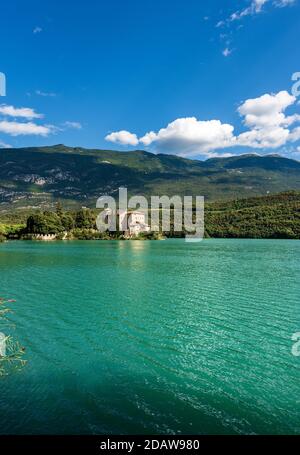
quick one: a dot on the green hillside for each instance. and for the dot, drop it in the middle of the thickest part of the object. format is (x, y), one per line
(274, 216)
(38, 177)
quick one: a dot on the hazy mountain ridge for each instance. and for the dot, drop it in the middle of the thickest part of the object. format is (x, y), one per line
(39, 176)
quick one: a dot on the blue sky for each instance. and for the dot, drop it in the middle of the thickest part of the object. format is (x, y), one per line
(194, 78)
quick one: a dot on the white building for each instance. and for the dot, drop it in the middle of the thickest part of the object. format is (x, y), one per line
(133, 222)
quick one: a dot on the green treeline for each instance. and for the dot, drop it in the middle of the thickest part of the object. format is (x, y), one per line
(56, 222)
(79, 224)
(272, 216)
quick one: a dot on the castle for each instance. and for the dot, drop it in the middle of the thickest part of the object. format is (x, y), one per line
(132, 222)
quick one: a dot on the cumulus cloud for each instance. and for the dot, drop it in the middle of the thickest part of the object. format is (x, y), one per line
(148, 138)
(264, 138)
(267, 110)
(25, 112)
(123, 137)
(189, 136)
(19, 128)
(294, 134)
(186, 136)
(37, 30)
(265, 116)
(268, 127)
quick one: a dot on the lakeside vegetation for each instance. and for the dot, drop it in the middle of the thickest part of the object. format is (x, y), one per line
(272, 216)
(64, 225)
(11, 352)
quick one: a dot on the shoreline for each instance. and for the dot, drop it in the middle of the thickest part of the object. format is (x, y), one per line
(137, 239)
(266, 217)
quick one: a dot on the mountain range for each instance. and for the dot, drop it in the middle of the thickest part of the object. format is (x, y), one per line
(37, 177)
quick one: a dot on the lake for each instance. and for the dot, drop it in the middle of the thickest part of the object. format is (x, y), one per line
(153, 337)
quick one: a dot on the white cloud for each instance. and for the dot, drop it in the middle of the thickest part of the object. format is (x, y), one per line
(218, 154)
(267, 110)
(3, 145)
(72, 125)
(258, 4)
(25, 127)
(272, 137)
(268, 128)
(295, 154)
(226, 52)
(148, 138)
(45, 94)
(37, 30)
(25, 112)
(265, 116)
(29, 128)
(283, 3)
(123, 137)
(295, 134)
(189, 136)
(255, 7)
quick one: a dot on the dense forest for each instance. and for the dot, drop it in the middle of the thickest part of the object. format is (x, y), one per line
(272, 216)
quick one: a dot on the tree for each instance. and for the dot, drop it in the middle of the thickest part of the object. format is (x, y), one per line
(67, 221)
(44, 223)
(85, 219)
(59, 209)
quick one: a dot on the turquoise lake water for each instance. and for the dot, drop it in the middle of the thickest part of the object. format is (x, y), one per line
(153, 337)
